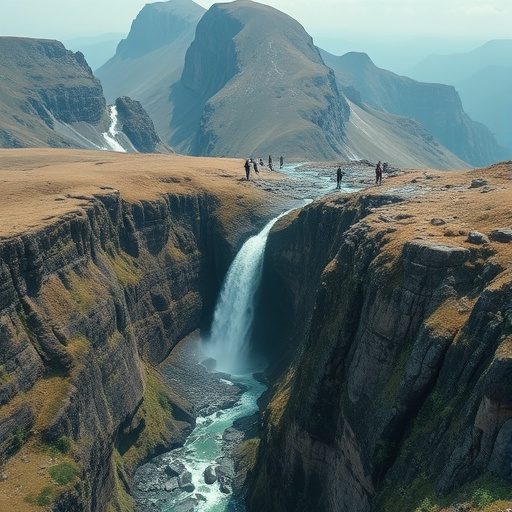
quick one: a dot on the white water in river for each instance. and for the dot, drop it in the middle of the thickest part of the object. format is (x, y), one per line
(229, 346)
(234, 313)
(204, 444)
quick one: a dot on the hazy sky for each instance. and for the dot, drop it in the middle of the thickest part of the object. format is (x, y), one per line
(471, 19)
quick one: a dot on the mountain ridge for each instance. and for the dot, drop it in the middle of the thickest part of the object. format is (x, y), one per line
(50, 98)
(437, 107)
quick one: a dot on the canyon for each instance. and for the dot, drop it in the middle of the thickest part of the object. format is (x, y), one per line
(384, 314)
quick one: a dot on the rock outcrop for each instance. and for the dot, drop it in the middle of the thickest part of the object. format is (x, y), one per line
(136, 124)
(390, 341)
(50, 98)
(44, 87)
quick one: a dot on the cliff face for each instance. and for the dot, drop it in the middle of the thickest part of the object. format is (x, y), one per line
(394, 381)
(138, 127)
(50, 98)
(89, 303)
(158, 25)
(46, 84)
(78, 302)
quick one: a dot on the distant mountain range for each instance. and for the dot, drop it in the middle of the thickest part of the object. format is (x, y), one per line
(483, 78)
(244, 79)
(252, 82)
(151, 58)
(437, 107)
(50, 98)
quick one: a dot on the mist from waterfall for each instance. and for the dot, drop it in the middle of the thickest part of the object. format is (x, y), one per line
(232, 322)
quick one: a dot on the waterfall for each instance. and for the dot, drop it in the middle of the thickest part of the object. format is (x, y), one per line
(232, 320)
(110, 136)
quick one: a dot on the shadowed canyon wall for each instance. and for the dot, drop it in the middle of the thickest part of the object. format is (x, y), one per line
(88, 306)
(390, 341)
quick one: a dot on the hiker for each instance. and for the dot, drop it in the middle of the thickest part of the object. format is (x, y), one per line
(270, 162)
(339, 176)
(247, 166)
(255, 165)
(261, 162)
(280, 162)
(378, 174)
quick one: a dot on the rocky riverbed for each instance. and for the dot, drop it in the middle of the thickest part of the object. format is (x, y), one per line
(201, 474)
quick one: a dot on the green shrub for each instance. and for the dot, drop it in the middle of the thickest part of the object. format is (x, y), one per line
(482, 497)
(425, 506)
(62, 445)
(43, 499)
(18, 438)
(64, 472)
(164, 402)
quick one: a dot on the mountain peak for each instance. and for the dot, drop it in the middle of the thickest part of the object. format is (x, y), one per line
(253, 66)
(157, 25)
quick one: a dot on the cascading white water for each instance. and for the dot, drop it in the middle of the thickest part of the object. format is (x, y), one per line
(110, 136)
(232, 320)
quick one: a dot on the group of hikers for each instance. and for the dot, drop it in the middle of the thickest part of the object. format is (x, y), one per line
(253, 163)
(250, 162)
(379, 168)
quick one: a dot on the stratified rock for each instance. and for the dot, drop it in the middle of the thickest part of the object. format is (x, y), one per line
(477, 238)
(45, 89)
(503, 235)
(432, 254)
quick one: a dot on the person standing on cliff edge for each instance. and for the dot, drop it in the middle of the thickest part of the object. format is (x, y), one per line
(378, 174)
(247, 166)
(339, 176)
(281, 162)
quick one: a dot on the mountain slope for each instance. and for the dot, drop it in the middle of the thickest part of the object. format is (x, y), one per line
(50, 98)
(254, 83)
(43, 89)
(454, 68)
(151, 58)
(437, 107)
(400, 141)
(486, 97)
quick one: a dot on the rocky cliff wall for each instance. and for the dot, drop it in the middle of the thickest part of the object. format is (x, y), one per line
(392, 363)
(88, 306)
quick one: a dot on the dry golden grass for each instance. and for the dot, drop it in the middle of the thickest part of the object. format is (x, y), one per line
(40, 185)
(446, 196)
